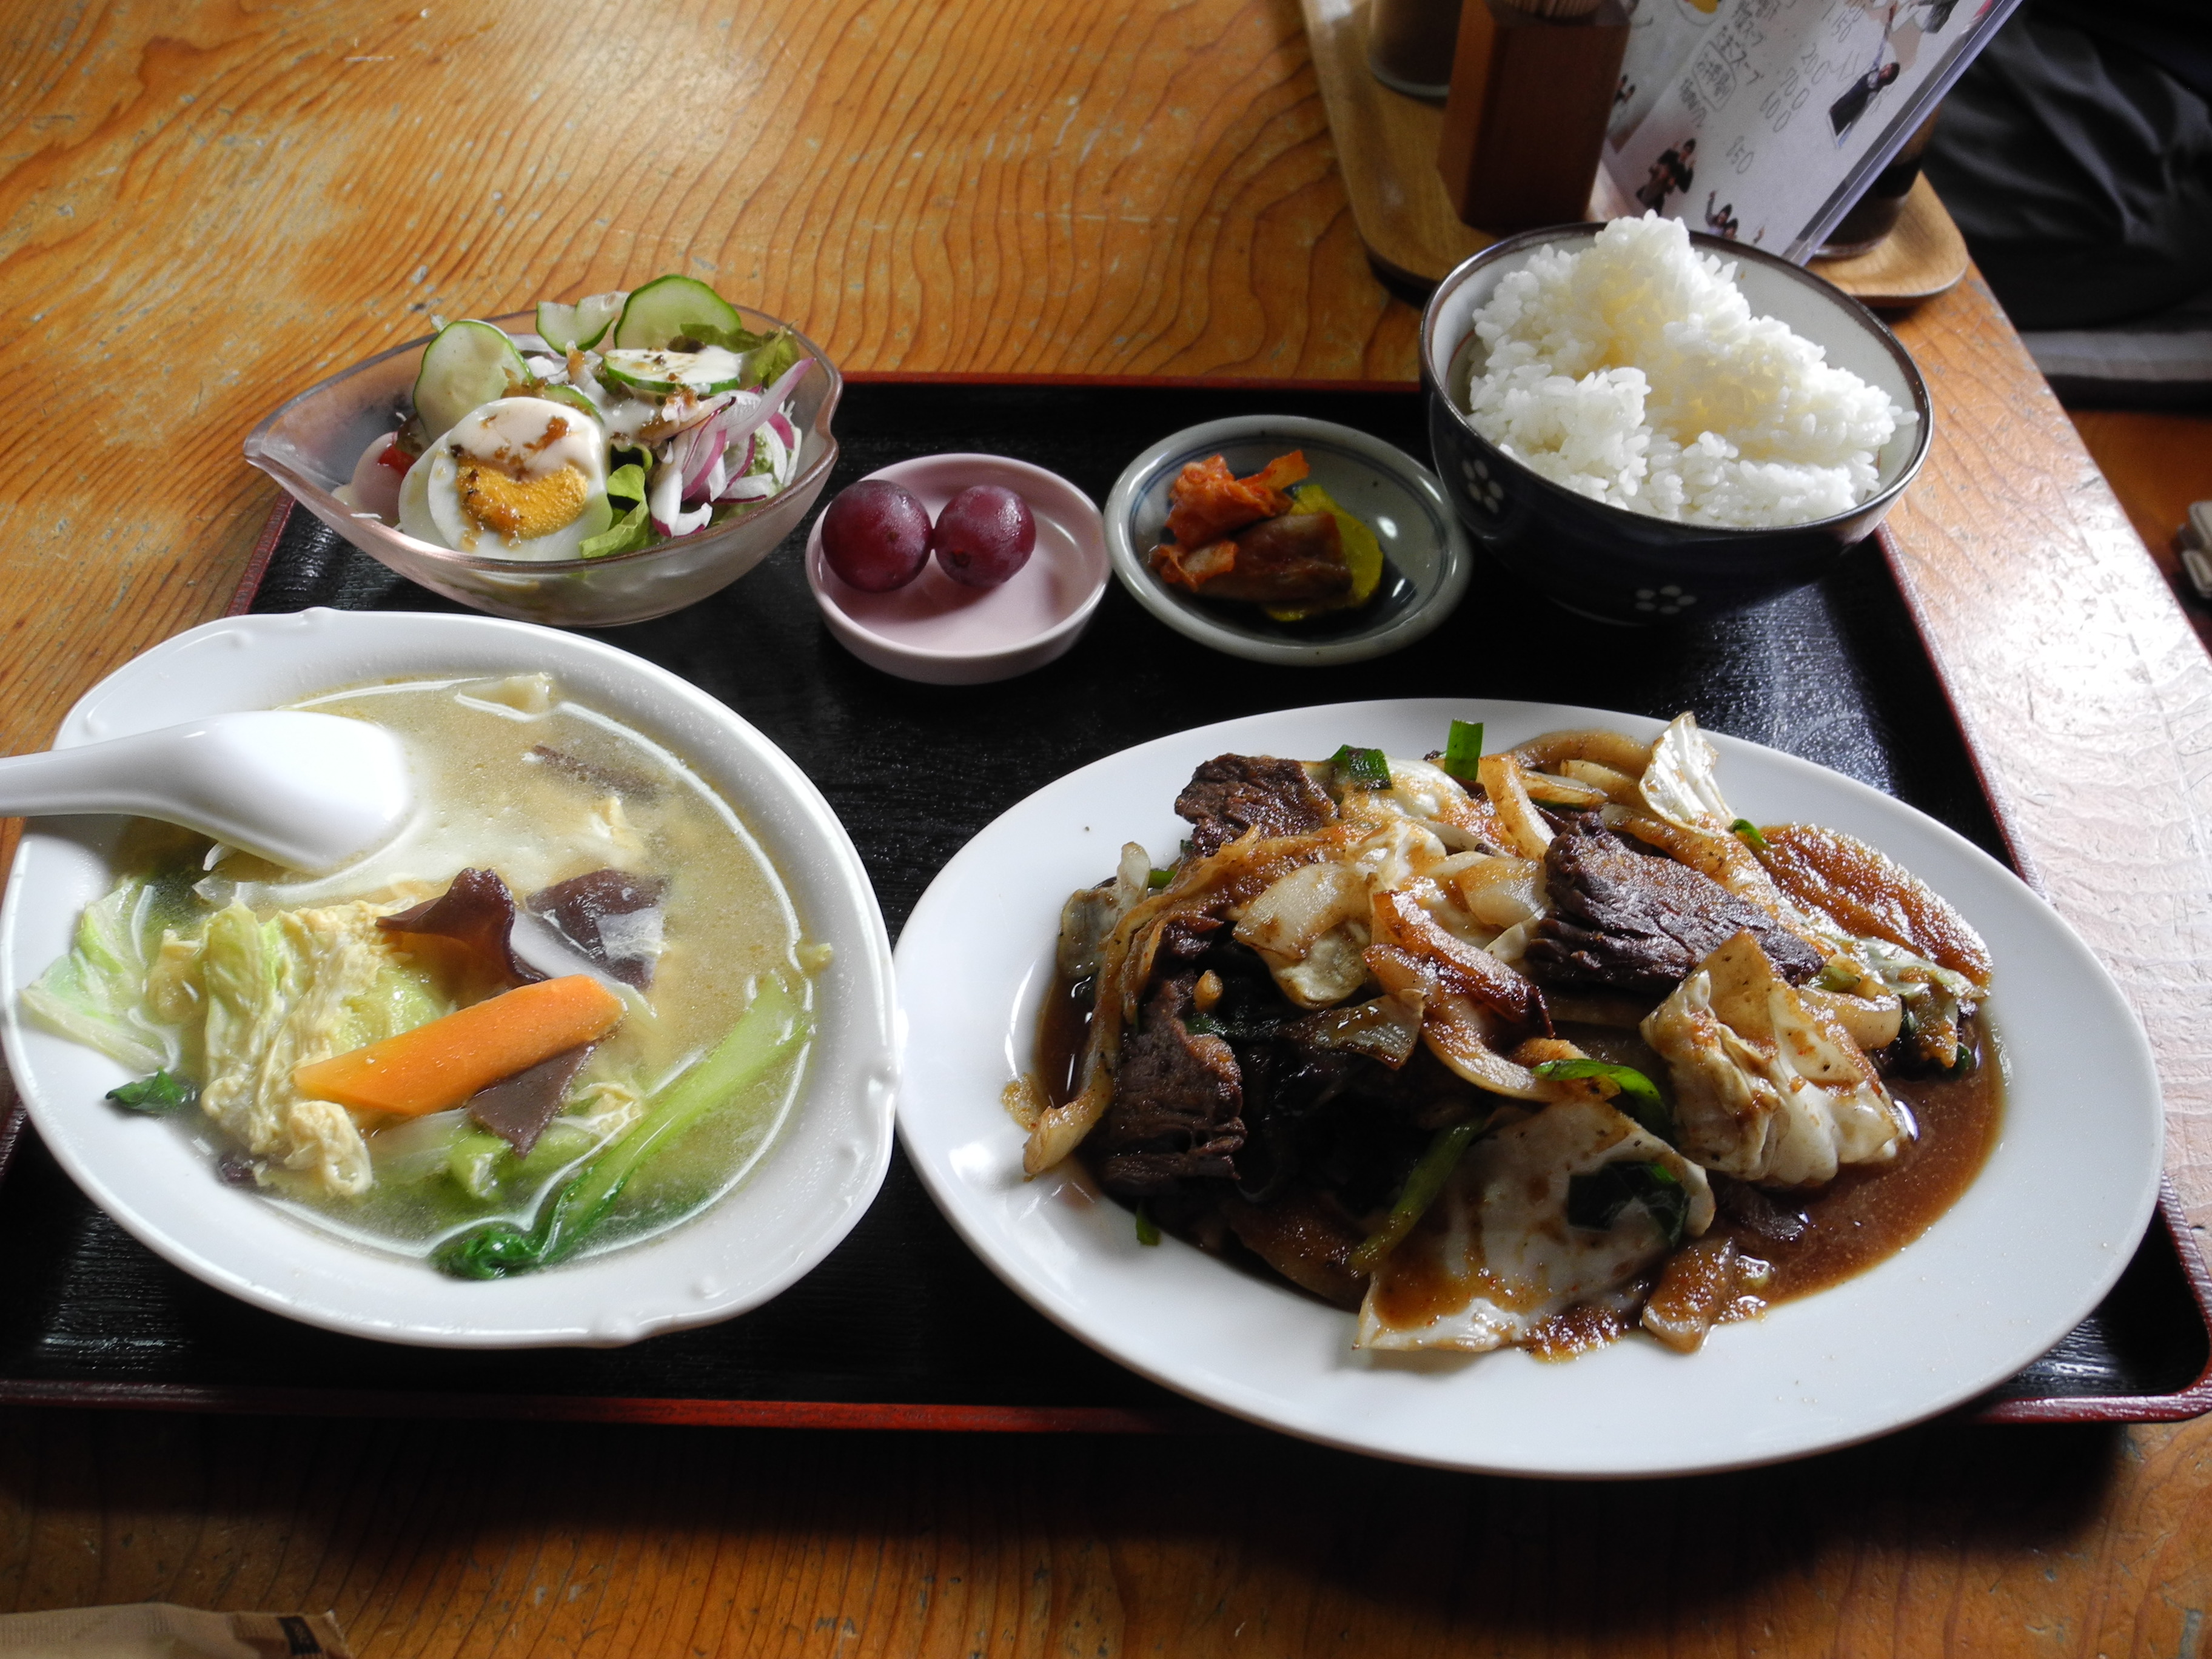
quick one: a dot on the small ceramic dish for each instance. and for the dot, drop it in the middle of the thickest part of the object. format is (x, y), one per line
(816, 1177)
(937, 631)
(1428, 558)
(311, 444)
(1613, 565)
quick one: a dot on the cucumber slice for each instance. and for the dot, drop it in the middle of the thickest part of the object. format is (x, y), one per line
(664, 374)
(572, 398)
(466, 366)
(578, 327)
(672, 308)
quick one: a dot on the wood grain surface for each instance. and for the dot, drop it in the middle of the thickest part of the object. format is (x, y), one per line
(2158, 462)
(206, 205)
(431, 1540)
(2079, 683)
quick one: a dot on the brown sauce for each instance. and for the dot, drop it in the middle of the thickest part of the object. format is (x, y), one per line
(1864, 1216)
(1422, 1287)
(1062, 1027)
(1574, 1332)
(1870, 1213)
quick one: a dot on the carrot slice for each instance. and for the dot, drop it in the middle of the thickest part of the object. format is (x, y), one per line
(442, 1064)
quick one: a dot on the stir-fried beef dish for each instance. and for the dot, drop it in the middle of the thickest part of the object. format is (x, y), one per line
(1232, 794)
(1633, 920)
(1179, 1113)
(1524, 1049)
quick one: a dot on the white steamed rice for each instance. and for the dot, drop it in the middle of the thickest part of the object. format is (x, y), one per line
(1634, 373)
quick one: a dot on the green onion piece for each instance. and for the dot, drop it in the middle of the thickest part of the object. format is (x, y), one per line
(1835, 975)
(1639, 1096)
(1595, 1201)
(1160, 878)
(1203, 1025)
(1749, 831)
(1463, 750)
(1148, 1230)
(1426, 1180)
(158, 1093)
(1361, 769)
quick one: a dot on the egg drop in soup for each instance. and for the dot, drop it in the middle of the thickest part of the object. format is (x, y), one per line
(567, 1008)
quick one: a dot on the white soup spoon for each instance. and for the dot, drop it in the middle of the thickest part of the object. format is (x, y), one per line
(309, 792)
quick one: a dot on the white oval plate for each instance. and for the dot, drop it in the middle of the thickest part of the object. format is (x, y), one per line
(2026, 1253)
(804, 1196)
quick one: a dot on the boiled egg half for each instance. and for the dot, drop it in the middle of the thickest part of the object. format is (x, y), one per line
(516, 478)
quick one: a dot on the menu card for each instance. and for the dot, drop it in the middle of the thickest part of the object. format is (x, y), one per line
(1763, 120)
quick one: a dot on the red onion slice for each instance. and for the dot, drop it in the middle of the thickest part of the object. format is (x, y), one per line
(711, 486)
(665, 499)
(692, 455)
(704, 448)
(743, 423)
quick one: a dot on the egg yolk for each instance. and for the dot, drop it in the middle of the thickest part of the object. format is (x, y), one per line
(522, 509)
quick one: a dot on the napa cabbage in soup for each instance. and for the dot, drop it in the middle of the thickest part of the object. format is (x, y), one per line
(567, 1007)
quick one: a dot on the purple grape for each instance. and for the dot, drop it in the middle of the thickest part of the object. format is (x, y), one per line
(876, 536)
(984, 535)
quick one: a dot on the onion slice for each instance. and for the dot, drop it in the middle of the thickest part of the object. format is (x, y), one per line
(735, 422)
(743, 423)
(701, 447)
(664, 498)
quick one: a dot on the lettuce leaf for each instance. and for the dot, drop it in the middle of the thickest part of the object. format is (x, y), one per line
(634, 528)
(769, 358)
(766, 355)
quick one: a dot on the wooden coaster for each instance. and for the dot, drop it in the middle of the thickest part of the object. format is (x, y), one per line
(1386, 147)
(1923, 255)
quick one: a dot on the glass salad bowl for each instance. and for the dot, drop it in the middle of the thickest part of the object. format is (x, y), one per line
(311, 444)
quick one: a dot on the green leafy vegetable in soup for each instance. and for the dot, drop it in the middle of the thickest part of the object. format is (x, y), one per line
(394, 1052)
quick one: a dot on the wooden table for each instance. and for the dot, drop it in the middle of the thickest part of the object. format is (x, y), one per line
(210, 204)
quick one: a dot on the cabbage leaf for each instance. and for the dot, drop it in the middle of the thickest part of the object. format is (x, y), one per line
(96, 995)
(302, 986)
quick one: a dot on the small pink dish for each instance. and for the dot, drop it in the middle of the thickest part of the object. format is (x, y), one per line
(936, 631)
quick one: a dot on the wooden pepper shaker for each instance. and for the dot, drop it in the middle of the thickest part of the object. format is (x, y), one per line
(1532, 89)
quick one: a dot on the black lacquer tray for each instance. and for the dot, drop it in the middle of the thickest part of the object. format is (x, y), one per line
(902, 1327)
